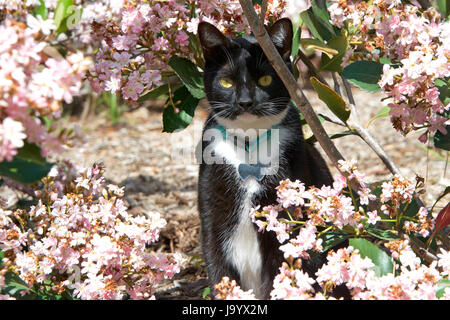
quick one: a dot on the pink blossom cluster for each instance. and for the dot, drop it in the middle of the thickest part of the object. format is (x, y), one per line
(335, 207)
(302, 215)
(80, 238)
(228, 289)
(410, 280)
(81, 15)
(137, 45)
(33, 84)
(418, 46)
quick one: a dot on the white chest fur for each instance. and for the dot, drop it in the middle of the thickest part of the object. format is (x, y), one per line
(242, 249)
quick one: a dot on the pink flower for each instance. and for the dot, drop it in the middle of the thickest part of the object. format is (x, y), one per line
(132, 90)
(373, 217)
(12, 136)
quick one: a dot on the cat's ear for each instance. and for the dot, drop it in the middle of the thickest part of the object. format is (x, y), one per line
(211, 38)
(281, 34)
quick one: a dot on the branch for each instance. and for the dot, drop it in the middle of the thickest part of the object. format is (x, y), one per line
(262, 15)
(355, 124)
(425, 4)
(311, 67)
(289, 81)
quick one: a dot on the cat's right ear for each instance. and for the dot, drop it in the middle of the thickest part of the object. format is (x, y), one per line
(211, 38)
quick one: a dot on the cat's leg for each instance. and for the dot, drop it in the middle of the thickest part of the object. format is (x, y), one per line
(216, 262)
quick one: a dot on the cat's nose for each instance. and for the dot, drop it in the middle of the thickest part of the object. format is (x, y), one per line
(245, 103)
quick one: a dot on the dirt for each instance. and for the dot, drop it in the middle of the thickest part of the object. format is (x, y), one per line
(139, 156)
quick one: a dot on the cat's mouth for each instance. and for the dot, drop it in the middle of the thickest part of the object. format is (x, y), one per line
(246, 116)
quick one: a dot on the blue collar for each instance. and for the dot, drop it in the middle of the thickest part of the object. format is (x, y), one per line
(267, 135)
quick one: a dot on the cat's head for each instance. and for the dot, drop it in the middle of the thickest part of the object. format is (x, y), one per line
(240, 82)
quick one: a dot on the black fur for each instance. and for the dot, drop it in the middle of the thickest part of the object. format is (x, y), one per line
(243, 61)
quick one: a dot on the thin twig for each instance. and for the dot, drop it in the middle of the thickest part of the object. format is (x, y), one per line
(311, 67)
(337, 87)
(356, 124)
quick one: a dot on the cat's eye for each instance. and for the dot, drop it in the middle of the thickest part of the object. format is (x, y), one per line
(264, 81)
(226, 82)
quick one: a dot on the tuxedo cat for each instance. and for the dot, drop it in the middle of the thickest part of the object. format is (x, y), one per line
(245, 92)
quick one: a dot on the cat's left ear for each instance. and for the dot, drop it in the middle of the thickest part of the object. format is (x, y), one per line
(281, 34)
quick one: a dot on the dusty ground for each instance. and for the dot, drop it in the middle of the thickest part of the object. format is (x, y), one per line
(140, 157)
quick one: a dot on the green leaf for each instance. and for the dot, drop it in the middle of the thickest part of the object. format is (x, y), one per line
(62, 12)
(443, 86)
(316, 26)
(14, 284)
(442, 141)
(333, 100)
(364, 74)
(319, 8)
(158, 92)
(332, 239)
(41, 10)
(340, 44)
(31, 152)
(206, 292)
(332, 136)
(179, 115)
(382, 262)
(296, 38)
(444, 283)
(1, 257)
(383, 234)
(444, 7)
(316, 44)
(188, 73)
(27, 167)
(383, 113)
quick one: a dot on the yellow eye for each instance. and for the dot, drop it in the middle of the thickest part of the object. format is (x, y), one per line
(226, 82)
(264, 81)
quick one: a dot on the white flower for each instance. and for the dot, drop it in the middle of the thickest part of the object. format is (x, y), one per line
(36, 24)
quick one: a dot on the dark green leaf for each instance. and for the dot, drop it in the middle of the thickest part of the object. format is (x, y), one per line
(1, 257)
(340, 44)
(443, 86)
(332, 239)
(31, 152)
(332, 136)
(188, 73)
(28, 166)
(179, 116)
(14, 284)
(319, 8)
(296, 39)
(382, 262)
(333, 100)
(316, 26)
(383, 234)
(157, 92)
(41, 10)
(364, 74)
(442, 141)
